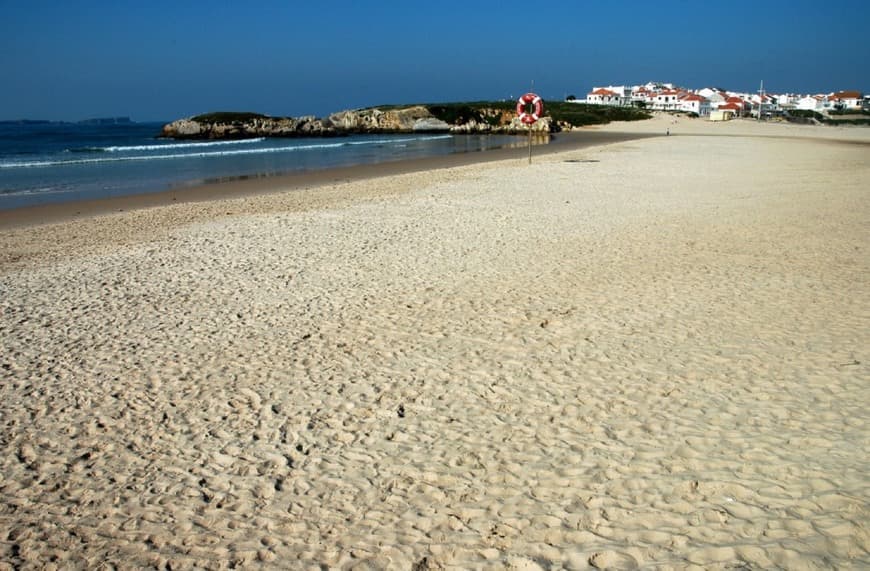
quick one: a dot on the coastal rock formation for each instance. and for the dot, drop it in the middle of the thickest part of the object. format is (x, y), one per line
(512, 125)
(182, 129)
(417, 118)
(470, 117)
(217, 126)
(414, 118)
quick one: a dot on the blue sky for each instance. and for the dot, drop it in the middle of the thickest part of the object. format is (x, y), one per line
(161, 60)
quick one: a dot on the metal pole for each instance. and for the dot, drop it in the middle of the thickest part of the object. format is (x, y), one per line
(531, 90)
(530, 143)
(760, 100)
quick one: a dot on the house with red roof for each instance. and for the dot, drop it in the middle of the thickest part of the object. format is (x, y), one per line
(737, 105)
(609, 96)
(642, 95)
(847, 100)
(694, 103)
(763, 103)
(667, 97)
(667, 100)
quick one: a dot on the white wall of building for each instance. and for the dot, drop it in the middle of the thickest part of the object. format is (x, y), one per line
(810, 103)
(702, 108)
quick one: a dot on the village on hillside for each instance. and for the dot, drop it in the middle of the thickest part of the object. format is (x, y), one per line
(719, 104)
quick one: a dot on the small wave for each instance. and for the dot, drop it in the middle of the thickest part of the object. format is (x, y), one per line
(160, 147)
(400, 140)
(42, 190)
(86, 150)
(102, 158)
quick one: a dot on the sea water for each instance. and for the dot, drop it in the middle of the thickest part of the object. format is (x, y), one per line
(61, 162)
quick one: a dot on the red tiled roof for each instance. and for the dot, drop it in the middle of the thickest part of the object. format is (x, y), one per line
(603, 91)
(846, 95)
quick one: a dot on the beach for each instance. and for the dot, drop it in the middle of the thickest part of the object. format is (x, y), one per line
(648, 354)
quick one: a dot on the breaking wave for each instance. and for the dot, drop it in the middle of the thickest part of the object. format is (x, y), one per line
(291, 148)
(160, 147)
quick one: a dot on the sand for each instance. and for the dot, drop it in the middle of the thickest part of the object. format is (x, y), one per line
(649, 354)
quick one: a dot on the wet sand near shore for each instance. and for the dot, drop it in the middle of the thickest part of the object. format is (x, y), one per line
(648, 354)
(251, 186)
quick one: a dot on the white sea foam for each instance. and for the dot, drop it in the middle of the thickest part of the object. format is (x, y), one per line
(41, 190)
(211, 154)
(403, 140)
(160, 147)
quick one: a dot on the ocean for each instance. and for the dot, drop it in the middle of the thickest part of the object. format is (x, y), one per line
(43, 163)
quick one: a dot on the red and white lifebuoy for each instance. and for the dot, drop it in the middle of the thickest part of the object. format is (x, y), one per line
(537, 104)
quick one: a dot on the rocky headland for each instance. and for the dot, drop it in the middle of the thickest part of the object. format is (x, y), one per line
(417, 118)
(491, 117)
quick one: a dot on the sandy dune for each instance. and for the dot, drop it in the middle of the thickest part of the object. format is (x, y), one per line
(645, 355)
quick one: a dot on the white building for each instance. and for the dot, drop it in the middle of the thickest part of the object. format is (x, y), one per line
(787, 100)
(739, 107)
(667, 100)
(812, 103)
(666, 97)
(714, 96)
(641, 95)
(694, 103)
(722, 115)
(610, 95)
(656, 86)
(846, 100)
(763, 103)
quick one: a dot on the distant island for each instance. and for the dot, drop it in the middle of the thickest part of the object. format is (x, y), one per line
(95, 121)
(467, 117)
(26, 122)
(106, 121)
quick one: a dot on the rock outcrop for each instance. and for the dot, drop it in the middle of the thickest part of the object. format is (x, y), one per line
(417, 118)
(249, 128)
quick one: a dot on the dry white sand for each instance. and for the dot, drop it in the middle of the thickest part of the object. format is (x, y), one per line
(646, 355)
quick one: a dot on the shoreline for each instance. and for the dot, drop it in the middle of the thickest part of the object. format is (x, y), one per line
(247, 186)
(660, 125)
(645, 354)
(48, 232)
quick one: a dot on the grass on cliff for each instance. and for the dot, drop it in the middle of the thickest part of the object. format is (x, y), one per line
(574, 114)
(225, 117)
(461, 113)
(579, 114)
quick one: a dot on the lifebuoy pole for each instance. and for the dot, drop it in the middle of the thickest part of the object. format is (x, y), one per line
(530, 142)
(530, 118)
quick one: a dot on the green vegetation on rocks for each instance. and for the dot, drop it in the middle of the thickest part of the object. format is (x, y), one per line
(580, 114)
(562, 112)
(461, 113)
(227, 117)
